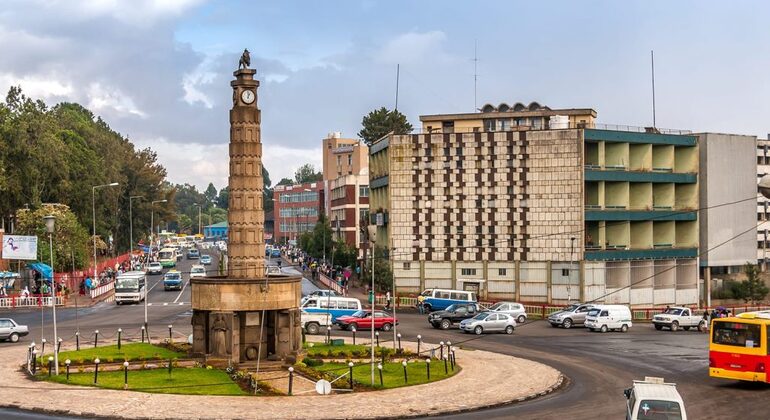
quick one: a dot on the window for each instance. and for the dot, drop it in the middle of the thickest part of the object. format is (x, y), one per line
(736, 334)
(448, 126)
(350, 160)
(492, 317)
(442, 295)
(605, 313)
(407, 266)
(339, 161)
(460, 229)
(468, 271)
(653, 409)
(363, 191)
(489, 125)
(501, 271)
(504, 124)
(509, 190)
(459, 151)
(478, 230)
(459, 296)
(537, 123)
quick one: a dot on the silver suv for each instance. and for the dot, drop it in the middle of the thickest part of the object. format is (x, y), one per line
(574, 314)
(10, 330)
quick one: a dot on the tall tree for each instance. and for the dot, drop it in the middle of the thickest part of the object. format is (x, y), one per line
(753, 289)
(224, 198)
(71, 242)
(267, 199)
(211, 193)
(307, 173)
(380, 122)
(285, 181)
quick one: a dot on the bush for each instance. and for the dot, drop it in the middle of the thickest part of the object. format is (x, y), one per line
(312, 362)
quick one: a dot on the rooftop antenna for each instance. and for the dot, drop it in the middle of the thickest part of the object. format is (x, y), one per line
(398, 73)
(652, 62)
(475, 74)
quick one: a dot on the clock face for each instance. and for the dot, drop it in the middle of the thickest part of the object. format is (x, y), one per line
(247, 96)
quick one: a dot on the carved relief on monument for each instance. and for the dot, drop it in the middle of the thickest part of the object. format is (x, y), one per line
(220, 334)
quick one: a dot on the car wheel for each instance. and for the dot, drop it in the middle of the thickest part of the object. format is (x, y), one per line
(521, 319)
(567, 323)
(658, 327)
(427, 308)
(478, 330)
(624, 328)
(686, 328)
(386, 327)
(445, 324)
(702, 327)
(312, 328)
(604, 329)
(509, 330)
(674, 326)
(555, 325)
(14, 338)
(353, 327)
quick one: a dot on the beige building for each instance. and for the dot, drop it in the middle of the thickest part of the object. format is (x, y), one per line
(343, 156)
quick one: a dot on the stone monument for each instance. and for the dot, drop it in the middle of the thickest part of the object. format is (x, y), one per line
(246, 315)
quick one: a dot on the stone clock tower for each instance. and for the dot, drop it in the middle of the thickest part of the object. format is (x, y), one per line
(246, 315)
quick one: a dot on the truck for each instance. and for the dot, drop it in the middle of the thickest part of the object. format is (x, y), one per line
(653, 398)
(676, 317)
(312, 322)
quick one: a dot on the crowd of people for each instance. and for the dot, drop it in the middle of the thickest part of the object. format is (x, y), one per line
(316, 267)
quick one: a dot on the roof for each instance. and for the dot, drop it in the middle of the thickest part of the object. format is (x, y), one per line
(218, 225)
(483, 115)
(645, 390)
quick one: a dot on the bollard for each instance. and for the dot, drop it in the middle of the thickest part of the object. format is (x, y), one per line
(169, 367)
(419, 339)
(350, 365)
(406, 380)
(58, 345)
(427, 366)
(96, 337)
(328, 336)
(398, 336)
(120, 331)
(77, 340)
(441, 348)
(50, 365)
(34, 362)
(377, 334)
(379, 367)
(96, 370)
(448, 347)
(143, 333)
(170, 339)
(454, 358)
(446, 367)
(42, 351)
(452, 361)
(125, 375)
(29, 353)
(291, 378)
(354, 337)
(67, 363)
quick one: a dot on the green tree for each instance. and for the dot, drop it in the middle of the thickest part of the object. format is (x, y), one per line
(285, 181)
(380, 122)
(753, 289)
(267, 202)
(307, 173)
(383, 276)
(71, 242)
(224, 198)
(344, 254)
(211, 193)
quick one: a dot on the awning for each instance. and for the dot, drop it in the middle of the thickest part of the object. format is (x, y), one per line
(44, 269)
(8, 275)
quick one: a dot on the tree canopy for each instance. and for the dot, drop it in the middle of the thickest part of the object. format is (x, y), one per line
(380, 122)
(307, 173)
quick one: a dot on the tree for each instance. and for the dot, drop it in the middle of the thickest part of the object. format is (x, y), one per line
(285, 181)
(383, 276)
(753, 289)
(211, 193)
(267, 199)
(224, 198)
(307, 173)
(344, 254)
(380, 122)
(71, 242)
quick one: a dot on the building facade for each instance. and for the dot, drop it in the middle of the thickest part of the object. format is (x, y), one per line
(553, 214)
(763, 204)
(349, 195)
(296, 209)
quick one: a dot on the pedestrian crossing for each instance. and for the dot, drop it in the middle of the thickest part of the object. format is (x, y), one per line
(167, 303)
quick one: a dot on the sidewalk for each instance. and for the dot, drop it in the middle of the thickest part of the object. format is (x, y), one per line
(494, 379)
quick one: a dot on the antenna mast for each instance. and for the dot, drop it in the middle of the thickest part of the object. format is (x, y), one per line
(398, 73)
(652, 63)
(475, 74)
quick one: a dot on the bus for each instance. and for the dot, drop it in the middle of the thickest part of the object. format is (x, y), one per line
(130, 286)
(167, 257)
(335, 305)
(738, 347)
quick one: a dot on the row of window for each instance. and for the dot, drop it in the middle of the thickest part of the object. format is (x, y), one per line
(298, 227)
(339, 192)
(298, 212)
(463, 271)
(298, 197)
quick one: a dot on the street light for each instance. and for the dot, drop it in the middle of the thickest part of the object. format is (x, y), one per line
(93, 212)
(131, 223)
(50, 222)
(372, 239)
(152, 221)
(199, 216)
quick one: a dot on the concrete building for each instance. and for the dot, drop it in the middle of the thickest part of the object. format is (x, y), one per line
(728, 174)
(343, 156)
(540, 212)
(349, 195)
(763, 210)
(217, 230)
(296, 209)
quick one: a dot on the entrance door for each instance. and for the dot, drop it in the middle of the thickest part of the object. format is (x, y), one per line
(472, 287)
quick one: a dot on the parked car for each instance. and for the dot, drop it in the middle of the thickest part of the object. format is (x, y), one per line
(205, 259)
(516, 310)
(11, 331)
(312, 323)
(453, 315)
(193, 254)
(654, 399)
(172, 280)
(678, 317)
(197, 271)
(440, 299)
(574, 314)
(609, 317)
(362, 320)
(154, 268)
(488, 322)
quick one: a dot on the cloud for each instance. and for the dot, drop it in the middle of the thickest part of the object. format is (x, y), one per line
(412, 47)
(101, 99)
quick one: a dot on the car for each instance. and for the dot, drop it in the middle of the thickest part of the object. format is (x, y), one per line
(516, 310)
(205, 259)
(197, 271)
(574, 314)
(172, 280)
(453, 314)
(488, 322)
(677, 317)
(653, 398)
(312, 322)
(609, 317)
(440, 299)
(362, 319)
(154, 268)
(178, 253)
(193, 254)
(275, 253)
(11, 331)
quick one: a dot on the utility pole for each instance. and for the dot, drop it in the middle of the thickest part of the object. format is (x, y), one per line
(652, 63)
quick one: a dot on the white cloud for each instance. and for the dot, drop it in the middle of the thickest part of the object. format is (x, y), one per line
(412, 47)
(38, 86)
(283, 161)
(102, 98)
(139, 12)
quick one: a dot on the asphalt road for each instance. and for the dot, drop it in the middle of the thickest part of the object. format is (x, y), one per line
(597, 366)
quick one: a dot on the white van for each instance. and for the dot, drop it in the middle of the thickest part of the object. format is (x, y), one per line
(609, 317)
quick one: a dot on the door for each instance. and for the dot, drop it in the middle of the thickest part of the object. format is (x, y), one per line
(5, 328)
(580, 314)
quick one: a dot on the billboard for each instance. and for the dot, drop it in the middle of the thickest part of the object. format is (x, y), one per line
(17, 247)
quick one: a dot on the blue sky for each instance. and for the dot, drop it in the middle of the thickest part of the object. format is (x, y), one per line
(159, 71)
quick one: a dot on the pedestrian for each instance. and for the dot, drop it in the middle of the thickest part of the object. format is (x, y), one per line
(705, 321)
(421, 304)
(387, 300)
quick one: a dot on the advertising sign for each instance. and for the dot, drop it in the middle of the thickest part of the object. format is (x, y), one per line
(16, 247)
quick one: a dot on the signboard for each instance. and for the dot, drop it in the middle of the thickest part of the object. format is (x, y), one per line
(16, 247)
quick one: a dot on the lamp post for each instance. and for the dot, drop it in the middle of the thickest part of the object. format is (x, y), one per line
(50, 222)
(569, 272)
(199, 216)
(372, 238)
(152, 222)
(131, 223)
(93, 212)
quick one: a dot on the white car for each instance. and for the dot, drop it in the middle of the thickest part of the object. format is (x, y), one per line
(488, 322)
(516, 310)
(312, 322)
(197, 271)
(154, 268)
(609, 317)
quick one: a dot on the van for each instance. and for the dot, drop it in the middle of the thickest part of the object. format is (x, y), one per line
(609, 317)
(440, 299)
(335, 305)
(653, 398)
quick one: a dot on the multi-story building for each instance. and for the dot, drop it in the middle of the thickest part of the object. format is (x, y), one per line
(349, 195)
(547, 212)
(763, 204)
(296, 209)
(343, 156)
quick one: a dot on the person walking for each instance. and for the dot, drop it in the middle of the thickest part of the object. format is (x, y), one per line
(387, 300)
(420, 304)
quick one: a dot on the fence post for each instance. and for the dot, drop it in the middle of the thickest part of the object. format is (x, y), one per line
(291, 378)
(350, 366)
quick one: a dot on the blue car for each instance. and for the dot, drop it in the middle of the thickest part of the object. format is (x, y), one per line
(275, 253)
(172, 280)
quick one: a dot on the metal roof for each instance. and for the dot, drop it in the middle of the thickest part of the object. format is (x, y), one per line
(652, 391)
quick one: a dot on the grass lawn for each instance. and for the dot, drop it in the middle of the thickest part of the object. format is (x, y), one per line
(192, 381)
(345, 351)
(392, 373)
(108, 354)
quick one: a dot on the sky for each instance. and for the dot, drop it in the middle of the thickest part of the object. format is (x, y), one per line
(158, 71)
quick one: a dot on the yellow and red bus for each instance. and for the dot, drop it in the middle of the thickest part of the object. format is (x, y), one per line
(738, 347)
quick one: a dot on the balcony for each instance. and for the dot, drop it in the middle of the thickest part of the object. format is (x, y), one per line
(616, 174)
(639, 254)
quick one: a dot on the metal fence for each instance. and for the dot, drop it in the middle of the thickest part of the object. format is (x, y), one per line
(29, 301)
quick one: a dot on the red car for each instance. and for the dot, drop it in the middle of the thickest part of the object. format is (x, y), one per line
(362, 320)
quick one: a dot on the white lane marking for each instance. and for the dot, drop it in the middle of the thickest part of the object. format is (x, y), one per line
(149, 304)
(165, 303)
(181, 303)
(156, 283)
(182, 291)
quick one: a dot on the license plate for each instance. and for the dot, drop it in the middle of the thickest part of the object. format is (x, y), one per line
(734, 366)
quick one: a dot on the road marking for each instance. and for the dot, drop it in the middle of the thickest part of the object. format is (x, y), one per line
(165, 303)
(156, 283)
(182, 291)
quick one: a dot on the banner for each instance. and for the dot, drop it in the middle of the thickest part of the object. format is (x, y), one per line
(16, 247)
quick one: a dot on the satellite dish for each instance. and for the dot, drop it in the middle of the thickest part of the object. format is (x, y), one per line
(764, 186)
(323, 387)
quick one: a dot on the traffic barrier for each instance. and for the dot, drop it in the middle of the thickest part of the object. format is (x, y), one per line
(104, 288)
(330, 284)
(31, 301)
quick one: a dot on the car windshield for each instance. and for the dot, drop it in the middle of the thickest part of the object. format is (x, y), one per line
(673, 311)
(453, 308)
(427, 293)
(127, 285)
(658, 409)
(360, 314)
(154, 264)
(496, 306)
(736, 334)
(594, 312)
(481, 316)
(198, 270)
(173, 276)
(571, 308)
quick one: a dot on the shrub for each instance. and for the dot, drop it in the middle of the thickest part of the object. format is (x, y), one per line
(312, 362)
